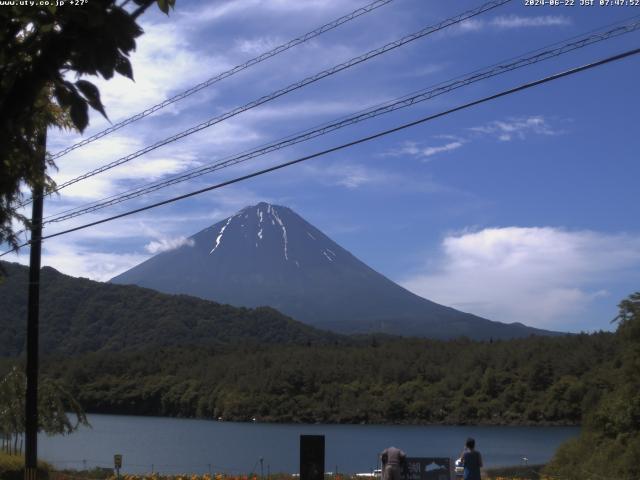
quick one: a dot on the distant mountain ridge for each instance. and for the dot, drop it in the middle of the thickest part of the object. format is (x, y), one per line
(79, 315)
(268, 255)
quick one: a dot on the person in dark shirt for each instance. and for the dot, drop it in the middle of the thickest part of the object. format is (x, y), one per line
(392, 460)
(471, 460)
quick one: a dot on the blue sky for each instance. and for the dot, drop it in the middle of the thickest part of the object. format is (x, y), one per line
(522, 209)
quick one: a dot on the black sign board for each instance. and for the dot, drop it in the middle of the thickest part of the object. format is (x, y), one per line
(427, 468)
(311, 457)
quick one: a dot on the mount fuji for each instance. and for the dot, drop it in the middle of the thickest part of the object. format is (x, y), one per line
(268, 255)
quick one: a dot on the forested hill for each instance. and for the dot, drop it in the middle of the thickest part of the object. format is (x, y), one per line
(539, 380)
(79, 315)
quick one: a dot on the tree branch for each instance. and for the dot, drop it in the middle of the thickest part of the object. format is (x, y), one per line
(141, 9)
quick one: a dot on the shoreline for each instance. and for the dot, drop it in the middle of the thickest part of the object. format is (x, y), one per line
(267, 421)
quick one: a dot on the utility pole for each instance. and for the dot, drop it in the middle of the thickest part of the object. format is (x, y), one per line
(31, 403)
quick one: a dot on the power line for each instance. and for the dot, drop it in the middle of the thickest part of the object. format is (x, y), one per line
(292, 87)
(616, 28)
(540, 55)
(238, 68)
(383, 133)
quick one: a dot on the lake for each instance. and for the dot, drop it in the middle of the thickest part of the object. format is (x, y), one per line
(171, 445)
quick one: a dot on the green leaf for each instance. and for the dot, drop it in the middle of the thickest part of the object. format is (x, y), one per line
(123, 66)
(92, 94)
(163, 5)
(79, 112)
(105, 55)
(63, 95)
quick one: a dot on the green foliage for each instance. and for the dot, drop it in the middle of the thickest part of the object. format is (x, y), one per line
(40, 46)
(397, 381)
(54, 403)
(609, 446)
(79, 315)
(165, 5)
(12, 467)
(523, 472)
(130, 350)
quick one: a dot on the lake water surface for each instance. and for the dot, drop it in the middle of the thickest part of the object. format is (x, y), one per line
(197, 446)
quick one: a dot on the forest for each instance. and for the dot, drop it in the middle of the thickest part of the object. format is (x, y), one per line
(78, 315)
(125, 349)
(609, 444)
(539, 380)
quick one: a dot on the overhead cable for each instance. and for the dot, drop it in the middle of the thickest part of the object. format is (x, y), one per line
(383, 133)
(283, 91)
(226, 74)
(539, 55)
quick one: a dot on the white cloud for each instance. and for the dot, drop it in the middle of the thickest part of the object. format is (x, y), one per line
(410, 148)
(164, 63)
(168, 244)
(220, 10)
(516, 21)
(149, 168)
(470, 25)
(231, 8)
(502, 130)
(544, 277)
(406, 148)
(104, 251)
(257, 46)
(504, 22)
(430, 151)
(354, 176)
(349, 175)
(306, 109)
(71, 258)
(517, 127)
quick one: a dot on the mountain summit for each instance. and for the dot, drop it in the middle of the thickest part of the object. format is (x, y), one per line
(268, 255)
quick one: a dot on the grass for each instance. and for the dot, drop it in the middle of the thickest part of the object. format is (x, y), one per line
(12, 467)
(93, 474)
(524, 472)
(10, 462)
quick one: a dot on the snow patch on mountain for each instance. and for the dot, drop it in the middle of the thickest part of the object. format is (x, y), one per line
(219, 237)
(284, 231)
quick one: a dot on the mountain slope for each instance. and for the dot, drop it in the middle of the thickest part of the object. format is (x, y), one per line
(269, 255)
(79, 315)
